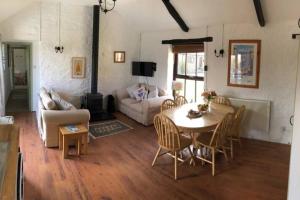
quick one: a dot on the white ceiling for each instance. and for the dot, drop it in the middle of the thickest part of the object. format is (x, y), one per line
(149, 15)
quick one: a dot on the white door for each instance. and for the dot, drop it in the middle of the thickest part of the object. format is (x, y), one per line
(2, 87)
(294, 177)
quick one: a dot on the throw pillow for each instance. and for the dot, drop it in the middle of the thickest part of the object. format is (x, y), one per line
(131, 89)
(139, 94)
(48, 103)
(61, 103)
(153, 92)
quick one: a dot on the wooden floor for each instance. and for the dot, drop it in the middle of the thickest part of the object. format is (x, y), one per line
(119, 167)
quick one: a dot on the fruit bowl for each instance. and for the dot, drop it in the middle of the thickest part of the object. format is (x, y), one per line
(203, 108)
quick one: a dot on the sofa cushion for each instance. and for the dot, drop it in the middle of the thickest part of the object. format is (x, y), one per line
(140, 94)
(48, 103)
(131, 89)
(153, 92)
(129, 101)
(133, 104)
(61, 103)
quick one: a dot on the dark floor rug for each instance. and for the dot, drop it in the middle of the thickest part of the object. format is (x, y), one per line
(98, 130)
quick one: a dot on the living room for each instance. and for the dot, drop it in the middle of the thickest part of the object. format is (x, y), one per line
(61, 33)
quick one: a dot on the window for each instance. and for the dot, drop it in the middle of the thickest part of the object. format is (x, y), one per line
(189, 69)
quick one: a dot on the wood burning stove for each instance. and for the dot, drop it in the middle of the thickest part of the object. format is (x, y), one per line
(94, 101)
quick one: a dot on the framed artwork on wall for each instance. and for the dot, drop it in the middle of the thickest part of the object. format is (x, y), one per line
(78, 67)
(119, 56)
(243, 63)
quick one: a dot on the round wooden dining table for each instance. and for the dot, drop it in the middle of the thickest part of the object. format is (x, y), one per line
(205, 123)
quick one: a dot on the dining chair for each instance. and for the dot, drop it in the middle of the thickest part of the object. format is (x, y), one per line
(221, 100)
(234, 134)
(214, 141)
(180, 100)
(170, 140)
(167, 104)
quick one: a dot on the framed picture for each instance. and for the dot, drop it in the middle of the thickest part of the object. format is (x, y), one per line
(78, 67)
(243, 63)
(119, 56)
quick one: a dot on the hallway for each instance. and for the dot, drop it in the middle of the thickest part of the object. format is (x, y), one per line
(18, 101)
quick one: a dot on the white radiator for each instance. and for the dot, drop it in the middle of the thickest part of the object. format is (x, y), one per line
(257, 115)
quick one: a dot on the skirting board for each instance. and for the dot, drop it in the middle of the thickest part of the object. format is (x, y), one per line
(257, 115)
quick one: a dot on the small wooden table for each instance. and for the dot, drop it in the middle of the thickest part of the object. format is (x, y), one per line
(80, 137)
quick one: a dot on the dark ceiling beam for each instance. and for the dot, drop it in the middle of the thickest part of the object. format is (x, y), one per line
(175, 15)
(259, 13)
(188, 41)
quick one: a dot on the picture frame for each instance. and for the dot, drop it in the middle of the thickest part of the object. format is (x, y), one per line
(78, 67)
(119, 56)
(244, 63)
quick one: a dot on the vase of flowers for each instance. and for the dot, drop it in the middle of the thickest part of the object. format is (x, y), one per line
(208, 95)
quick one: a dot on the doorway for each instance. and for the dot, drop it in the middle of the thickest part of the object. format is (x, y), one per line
(18, 78)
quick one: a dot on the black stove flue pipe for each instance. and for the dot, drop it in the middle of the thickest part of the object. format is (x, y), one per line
(95, 52)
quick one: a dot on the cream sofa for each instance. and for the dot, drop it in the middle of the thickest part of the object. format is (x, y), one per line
(141, 111)
(50, 120)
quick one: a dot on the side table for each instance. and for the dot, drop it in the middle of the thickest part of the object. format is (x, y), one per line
(80, 136)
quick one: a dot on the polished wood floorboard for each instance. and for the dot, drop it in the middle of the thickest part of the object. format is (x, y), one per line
(119, 167)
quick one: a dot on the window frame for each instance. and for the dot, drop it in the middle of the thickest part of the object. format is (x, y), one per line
(187, 77)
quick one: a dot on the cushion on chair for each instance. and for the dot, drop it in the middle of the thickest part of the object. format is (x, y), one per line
(48, 103)
(61, 103)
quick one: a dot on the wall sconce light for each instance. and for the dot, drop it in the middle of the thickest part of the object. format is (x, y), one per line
(59, 48)
(220, 54)
(221, 51)
(119, 57)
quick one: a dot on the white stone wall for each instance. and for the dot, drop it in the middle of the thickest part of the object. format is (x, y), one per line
(39, 24)
(277, 71)
(76, 37)
(116, 34)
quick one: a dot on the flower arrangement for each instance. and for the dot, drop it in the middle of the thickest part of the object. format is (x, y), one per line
(209, 95)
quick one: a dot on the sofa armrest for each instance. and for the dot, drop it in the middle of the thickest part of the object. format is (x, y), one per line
(122, 94)
(62, 117)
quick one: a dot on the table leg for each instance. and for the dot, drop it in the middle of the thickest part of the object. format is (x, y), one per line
(79, 145)
(85, 144)
(65, 147)
(60, 140)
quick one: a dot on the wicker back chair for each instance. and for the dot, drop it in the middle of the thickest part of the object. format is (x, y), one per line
(170, 139)
(215, 142)
(221, 100)
(167, 104)
(180, 100)
(234, 133)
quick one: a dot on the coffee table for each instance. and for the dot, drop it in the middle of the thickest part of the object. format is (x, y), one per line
(80, 137)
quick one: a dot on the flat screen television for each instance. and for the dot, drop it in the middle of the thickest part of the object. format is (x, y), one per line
(143, 69)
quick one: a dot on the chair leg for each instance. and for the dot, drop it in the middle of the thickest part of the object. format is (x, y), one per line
(240, 142)
(175, 170)
(225, 153)
(157, 153)
(231, 148)
(201, 154)
(213, 161)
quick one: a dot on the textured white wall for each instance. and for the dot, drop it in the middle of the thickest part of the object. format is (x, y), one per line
(76, 36)
(116, 34)
(54, 70)
(277, 72)
(40, 26)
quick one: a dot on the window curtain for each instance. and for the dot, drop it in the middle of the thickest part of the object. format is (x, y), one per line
(2, 87)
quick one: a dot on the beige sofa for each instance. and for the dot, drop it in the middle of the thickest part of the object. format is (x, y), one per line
(49, 120)
(141, 111)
